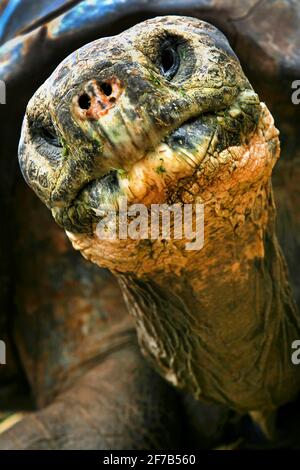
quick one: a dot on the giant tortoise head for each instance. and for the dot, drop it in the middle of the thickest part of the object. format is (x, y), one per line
(143, 115)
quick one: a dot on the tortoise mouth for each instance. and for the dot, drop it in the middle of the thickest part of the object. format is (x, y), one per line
(82, 212)
(155, 175)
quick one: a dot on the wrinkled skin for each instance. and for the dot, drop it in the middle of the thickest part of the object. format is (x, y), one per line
(116, 119)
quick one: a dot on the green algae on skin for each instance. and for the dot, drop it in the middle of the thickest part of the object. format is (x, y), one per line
(65, 149)
(160, 169)
(121, 172)
(154, 78)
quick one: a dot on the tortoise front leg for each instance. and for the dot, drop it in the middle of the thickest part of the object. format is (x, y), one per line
(119, 404)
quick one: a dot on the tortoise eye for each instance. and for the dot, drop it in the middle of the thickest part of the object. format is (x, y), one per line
(50, 136)
(169, 61)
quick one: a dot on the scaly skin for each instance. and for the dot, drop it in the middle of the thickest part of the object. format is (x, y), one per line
(114, 120)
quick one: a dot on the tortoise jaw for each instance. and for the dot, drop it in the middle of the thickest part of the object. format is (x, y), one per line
(78, 184)
(153, 177)
(80, 213)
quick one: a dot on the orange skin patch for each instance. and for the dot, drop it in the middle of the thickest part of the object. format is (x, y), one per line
(97, 99)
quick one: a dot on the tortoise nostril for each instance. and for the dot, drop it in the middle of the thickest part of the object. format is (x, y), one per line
(84, 101)
(106, 88)
(97, 98)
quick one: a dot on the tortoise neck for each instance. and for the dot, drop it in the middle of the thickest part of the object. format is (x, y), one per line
(239, 266)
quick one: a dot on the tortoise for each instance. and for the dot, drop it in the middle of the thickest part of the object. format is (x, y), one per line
(167, 392)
